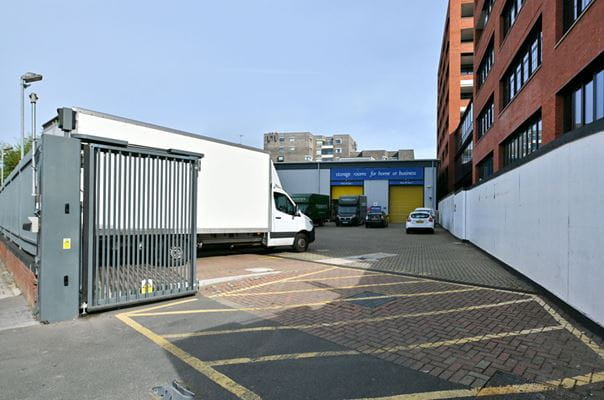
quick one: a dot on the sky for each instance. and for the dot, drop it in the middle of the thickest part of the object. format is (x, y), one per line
(232, 67)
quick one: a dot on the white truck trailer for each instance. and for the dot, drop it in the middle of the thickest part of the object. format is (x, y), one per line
(240, 199)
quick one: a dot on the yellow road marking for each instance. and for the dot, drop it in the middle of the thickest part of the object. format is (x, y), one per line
(569, 327)
(391, 349)
(288, 306)
(368, 275)
(197, 364)
(322, 289)
(158, 307)
(579, 380)
(344, 322)
(282, 357)
(273, 282)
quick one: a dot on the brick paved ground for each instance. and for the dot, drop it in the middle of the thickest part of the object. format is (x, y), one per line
(440, 256)
(460, 334)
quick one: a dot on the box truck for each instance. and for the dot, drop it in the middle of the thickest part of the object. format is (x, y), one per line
(352, 210)
(240, 199)
(315, 206)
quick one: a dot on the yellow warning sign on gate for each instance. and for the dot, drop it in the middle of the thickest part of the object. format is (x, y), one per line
(147, 286)
(66, 243)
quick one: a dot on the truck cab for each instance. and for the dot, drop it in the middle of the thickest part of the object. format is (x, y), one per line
(290, 227)
(313, 205)
(352, 210)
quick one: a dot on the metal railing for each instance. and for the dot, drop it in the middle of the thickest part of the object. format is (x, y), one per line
(17, 204)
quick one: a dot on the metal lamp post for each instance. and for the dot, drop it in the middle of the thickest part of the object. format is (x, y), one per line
(26, 80)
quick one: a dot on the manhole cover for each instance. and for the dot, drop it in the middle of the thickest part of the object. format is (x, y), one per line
(367, 299)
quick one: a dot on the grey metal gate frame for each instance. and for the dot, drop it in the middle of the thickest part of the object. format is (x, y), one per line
(139, 225)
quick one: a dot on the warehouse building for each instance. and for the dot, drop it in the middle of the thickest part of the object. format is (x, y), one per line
(397, 186)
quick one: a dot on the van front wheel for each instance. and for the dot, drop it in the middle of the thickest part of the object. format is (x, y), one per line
(300, 243)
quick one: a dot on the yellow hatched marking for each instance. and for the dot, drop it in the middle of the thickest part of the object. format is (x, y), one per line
(159, 307)
(367, 275)
(285, 307)
(392, 349)
(273, 282)
(200, 366)
(579, 380)
(323, 289)
(343, 323)
(569, 327)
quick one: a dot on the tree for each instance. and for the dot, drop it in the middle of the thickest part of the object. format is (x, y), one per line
(12, 156)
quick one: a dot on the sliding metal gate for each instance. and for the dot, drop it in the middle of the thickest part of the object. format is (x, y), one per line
(139, 225)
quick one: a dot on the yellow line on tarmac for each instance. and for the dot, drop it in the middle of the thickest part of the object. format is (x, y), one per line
(392, 349)
(569, 327)
(579, 380)
(368, 275)
(282, 357)
(158, 307)
(288, 306)
(344, 322)
(194, 362)
(272, 282)
(322, 289)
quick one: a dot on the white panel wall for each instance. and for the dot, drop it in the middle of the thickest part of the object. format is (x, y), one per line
(430, 187)
(377, 192)
(546, 220)
(305, 180)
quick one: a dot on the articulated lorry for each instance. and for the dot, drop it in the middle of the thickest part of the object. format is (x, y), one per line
(240, 198)
(315, 206)
(352, 210)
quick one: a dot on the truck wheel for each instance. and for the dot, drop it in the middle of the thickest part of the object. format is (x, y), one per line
(300, 243)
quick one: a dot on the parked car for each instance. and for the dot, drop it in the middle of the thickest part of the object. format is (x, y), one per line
(376, 217)
(420, 220)
(430, 211)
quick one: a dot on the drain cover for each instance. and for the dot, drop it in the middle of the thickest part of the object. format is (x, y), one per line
(366, 299)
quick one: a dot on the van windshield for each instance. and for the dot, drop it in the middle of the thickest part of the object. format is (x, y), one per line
(347, 209)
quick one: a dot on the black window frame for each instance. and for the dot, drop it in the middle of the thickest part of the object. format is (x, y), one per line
(525, 140)
(485, 167)
(509, 15)
(594, 76)
(486, 118)
(573, 10)
(486, 64)
(513, 79)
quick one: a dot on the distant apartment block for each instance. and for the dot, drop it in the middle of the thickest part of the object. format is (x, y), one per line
(304, 146)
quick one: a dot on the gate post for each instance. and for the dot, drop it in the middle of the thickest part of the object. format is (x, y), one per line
(59, 240)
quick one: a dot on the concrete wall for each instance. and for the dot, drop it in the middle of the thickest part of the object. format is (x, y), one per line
(305, 181)
(544, 219)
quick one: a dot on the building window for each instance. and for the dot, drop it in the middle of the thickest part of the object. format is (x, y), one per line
(282, 139)
(510, 14)
(524, 65)
(524, 141)
(338, 150)
(338, 141)
(573, 9)
(486, 64)
(326, 151)
(465, 95)
(281, 149)
(292, 149)
(485, 119)
(586, 100)
(291, 139)
(486, 11)
(307, 158)
(485, 167)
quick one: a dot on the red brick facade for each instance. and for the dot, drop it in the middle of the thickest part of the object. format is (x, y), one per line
(24, 278)
(449, 102)
(564, 56)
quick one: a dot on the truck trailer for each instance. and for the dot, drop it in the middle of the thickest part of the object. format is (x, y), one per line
(315, 206)
(240, 199)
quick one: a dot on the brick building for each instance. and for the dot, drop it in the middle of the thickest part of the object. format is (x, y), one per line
(455, 83)
(304, 146)
(538, 73)
(538, 68)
